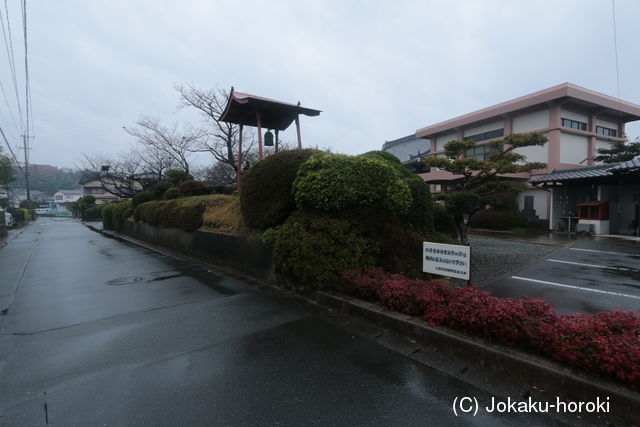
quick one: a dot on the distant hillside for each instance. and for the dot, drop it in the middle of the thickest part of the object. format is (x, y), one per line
(47, 178)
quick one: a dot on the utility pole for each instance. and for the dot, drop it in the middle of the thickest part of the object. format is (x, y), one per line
(27, 96)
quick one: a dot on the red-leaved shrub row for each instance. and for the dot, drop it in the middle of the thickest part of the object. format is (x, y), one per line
(606, 344)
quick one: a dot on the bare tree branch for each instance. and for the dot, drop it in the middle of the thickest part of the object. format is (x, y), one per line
(172, 143)
(122, 178)
(222, 141)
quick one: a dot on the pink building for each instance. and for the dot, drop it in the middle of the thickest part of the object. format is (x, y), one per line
(576, 121)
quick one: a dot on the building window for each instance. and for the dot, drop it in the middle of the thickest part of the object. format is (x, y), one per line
(574, 124)
(94, 190)
(606, 131)
(481, 152)
(486, 135)
(59, 197)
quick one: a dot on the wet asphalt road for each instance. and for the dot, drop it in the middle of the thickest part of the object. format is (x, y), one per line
(589, 276)
(103, 332)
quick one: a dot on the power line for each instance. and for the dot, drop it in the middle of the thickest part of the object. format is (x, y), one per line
(6, 100)
(10, 149)
(615, 44)
(12, 63)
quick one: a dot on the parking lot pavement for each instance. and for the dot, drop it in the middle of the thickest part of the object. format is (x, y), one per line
(589, 277)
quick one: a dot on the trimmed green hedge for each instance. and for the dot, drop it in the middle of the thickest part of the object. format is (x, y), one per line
(352, 210)
(420, 213)
(498, 219)
(117, 213)
(332, 182)
(193, 187)
(184, 213)
(107, 217)
(266, 198)
(312, 249)
(94, 213)
(171, 193)
(384, 155)
(160, 188)
(269, 236)
(142, 197)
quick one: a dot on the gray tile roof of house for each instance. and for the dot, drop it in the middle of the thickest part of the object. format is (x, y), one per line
(408, 148)
(630, 165)
(588, 172)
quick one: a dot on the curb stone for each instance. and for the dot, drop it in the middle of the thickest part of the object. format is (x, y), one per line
(571, 384)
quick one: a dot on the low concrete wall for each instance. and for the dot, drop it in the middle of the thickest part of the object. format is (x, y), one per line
(247, 255)
(546, 374)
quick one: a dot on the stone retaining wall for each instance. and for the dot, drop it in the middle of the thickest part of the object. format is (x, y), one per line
(246, 255)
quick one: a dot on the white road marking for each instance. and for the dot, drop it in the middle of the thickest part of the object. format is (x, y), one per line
(604, 252)
(582, 264)
(544, 282)
(594, 265)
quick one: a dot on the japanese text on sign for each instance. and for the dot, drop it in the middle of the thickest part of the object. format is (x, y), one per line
(446, 260)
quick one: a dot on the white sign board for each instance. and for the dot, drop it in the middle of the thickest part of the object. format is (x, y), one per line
(446, 260)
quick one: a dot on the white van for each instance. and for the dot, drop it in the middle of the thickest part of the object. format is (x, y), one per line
(42, 211)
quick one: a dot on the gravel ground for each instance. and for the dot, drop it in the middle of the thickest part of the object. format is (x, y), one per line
(494, 258)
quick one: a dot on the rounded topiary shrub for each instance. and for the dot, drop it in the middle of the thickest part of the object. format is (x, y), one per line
(160, 188)
(177, 176)
(420, 213)
(266, 199)
(312, 249)
(333, 182)
(171, 193)
(118, 210)
(269, 236)
(152, 213)
(187, 218)
(193, 187)
(142, 197)
(383, 155)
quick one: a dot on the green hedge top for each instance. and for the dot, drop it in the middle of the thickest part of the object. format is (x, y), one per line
(142, 197)
(385, 155)
(184, 213)
(333, 182)
(193, 187)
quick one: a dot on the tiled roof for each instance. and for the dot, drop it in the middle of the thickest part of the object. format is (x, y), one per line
(628, 166)
(588, 172)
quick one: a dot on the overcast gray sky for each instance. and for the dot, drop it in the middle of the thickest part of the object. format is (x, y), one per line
(378, 69)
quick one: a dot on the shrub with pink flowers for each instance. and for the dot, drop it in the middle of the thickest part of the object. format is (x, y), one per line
(605, 344)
